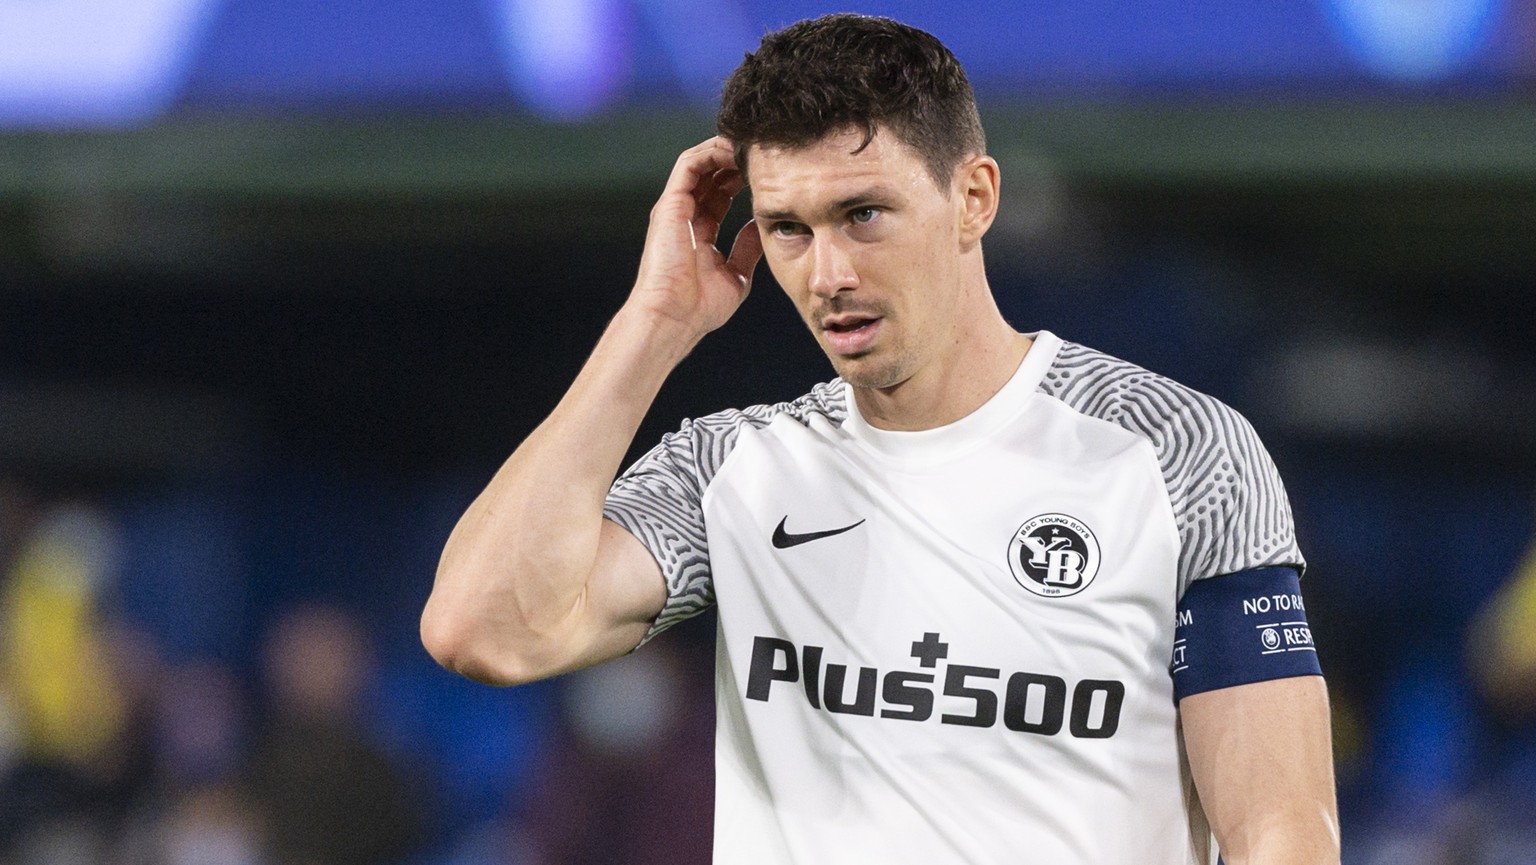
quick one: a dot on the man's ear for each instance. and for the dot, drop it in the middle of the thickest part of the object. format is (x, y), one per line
(978, 181)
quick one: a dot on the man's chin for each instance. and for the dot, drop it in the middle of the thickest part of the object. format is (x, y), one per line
(863, 371)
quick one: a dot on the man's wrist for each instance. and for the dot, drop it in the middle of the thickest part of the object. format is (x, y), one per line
(666, 338)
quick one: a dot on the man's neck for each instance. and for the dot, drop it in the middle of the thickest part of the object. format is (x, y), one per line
(952, 386)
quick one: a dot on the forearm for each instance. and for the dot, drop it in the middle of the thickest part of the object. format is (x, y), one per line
(1302, 831)
(514, 574)
(1262, 761)
(1296, 839)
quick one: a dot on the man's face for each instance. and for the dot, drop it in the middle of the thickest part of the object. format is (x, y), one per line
(867, 246)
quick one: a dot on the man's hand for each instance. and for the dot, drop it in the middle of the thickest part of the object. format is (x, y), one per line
(684, 278)
(534, 581)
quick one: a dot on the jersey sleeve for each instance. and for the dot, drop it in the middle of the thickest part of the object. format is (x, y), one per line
(658, 500)
(1230, 505)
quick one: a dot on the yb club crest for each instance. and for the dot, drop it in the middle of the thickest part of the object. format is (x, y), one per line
(1054, 555)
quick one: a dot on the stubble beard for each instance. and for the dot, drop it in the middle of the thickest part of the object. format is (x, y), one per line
(871, 371)
(880, 367)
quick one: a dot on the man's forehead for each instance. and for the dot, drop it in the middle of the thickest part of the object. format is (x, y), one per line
(849, 145)
(830, 171)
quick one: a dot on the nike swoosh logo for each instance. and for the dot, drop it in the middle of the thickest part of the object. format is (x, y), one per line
(784, 540)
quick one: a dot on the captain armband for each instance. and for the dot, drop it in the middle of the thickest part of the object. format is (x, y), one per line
(1246, 627)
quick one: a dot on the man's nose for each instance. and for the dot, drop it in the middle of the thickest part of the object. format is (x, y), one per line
(831, 268)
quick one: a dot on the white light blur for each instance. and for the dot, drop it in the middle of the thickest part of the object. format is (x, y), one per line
(1415, 40)
(567, 59)
(95, 62)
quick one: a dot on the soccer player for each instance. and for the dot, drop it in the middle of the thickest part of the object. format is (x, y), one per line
(986, 597)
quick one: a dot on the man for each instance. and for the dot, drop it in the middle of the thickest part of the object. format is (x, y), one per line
(948, 582)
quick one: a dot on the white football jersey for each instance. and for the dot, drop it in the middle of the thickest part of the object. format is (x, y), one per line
(953, 645)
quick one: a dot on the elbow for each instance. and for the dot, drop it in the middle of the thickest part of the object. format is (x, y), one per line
(459, 644)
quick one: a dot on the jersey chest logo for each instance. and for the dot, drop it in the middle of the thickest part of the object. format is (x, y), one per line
(1054, 555)
(784, 539)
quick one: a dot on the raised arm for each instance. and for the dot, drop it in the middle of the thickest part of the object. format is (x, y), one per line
(533, 581)
(1262, 760)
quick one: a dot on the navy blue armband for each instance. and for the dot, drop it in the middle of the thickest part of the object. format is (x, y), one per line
(1250, 626)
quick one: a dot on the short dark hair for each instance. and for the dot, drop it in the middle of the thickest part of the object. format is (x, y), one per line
(842, 71)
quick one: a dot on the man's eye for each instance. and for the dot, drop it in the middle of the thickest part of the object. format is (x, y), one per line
(864, 215)
(786, 229)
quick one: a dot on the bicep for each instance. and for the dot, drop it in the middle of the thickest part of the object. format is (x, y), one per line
(1262, 760)
(624, 594)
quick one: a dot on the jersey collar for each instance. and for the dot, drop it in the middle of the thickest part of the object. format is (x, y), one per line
(976, 428)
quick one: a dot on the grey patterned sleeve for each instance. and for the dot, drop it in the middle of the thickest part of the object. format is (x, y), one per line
(1229, 504)
(659, 501)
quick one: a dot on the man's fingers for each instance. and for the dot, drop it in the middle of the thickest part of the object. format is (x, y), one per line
(714, 195)
(700, 187)
(699, 162)
(719, 190)
(745, 253)
(706, 224)
(729, 181)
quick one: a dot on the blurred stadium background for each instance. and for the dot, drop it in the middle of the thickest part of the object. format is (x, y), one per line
(282, 282)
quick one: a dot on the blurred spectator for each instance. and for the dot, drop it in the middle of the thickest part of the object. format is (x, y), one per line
(196, 812)
(199, 725)
(632, 778)
(1503, 659)
(1503, 645)
(210, 824)
(55, 659)
(75, 757)
(326, 793)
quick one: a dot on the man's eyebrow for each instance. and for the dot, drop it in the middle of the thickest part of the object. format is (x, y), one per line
(863, 198)
(777, 215)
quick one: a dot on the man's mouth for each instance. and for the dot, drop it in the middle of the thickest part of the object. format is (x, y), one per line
(848, 323)
(851, 333)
